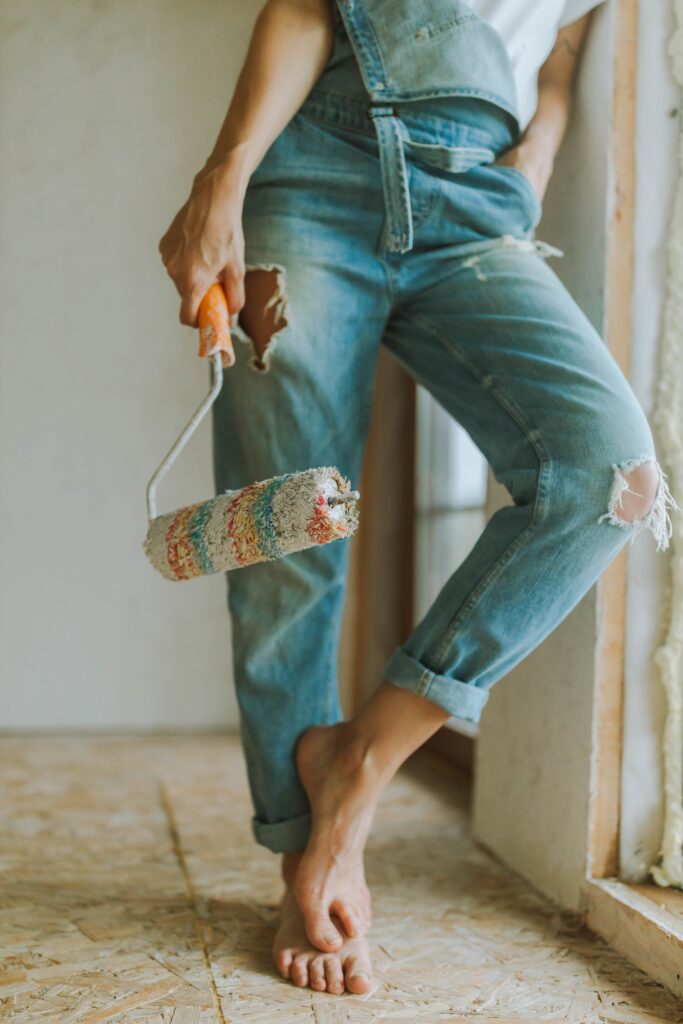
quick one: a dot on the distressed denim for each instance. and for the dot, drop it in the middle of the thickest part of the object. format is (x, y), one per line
(474, 312)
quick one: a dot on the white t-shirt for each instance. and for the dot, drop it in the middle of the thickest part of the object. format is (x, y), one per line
(529, 29)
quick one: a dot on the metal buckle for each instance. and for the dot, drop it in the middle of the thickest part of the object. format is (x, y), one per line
(389, 111)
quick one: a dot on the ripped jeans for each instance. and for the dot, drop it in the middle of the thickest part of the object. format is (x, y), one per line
(475, 313)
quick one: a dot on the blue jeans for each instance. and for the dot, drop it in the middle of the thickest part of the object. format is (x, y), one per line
(476, 315)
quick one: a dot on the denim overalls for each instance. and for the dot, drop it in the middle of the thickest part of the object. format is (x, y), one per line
(410, 51)
(389, 223)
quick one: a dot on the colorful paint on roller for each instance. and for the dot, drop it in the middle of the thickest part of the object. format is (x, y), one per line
(258, 523)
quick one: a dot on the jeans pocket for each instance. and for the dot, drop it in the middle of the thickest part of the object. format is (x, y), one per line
(527, 187)
(456, 159)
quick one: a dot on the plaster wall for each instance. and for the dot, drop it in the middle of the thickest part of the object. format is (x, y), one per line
(107, 110)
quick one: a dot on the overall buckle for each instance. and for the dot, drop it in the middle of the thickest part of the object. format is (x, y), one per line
(376, 108)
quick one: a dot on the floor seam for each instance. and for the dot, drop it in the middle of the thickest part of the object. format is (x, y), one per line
(177, 845)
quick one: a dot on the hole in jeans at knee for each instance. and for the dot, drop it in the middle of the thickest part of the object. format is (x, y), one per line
(640, 499)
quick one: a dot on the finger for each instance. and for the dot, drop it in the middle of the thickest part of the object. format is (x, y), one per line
(192, 292)
(172, 236)
(171, 266)
(232, 280)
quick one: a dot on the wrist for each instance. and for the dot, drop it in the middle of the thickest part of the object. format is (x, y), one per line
(233, 168)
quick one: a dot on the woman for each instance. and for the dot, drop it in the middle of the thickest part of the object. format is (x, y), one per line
(386, 160)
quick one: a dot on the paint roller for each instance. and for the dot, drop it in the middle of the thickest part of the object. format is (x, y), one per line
(258, 523)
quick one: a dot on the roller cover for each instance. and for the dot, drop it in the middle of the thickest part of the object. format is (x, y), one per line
(258, 523)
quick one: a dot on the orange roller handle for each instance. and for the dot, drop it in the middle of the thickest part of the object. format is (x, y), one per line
(214, 326)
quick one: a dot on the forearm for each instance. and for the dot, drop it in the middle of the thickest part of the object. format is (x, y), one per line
(544, 133)
(543, 136)
(289, 48)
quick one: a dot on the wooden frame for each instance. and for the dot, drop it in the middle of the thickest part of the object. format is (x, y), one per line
(379, 614)
(643, 922)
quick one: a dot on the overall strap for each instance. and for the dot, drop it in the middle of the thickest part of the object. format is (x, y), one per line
(399, 217)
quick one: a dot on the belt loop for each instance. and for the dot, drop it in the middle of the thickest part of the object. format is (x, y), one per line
(394, 176)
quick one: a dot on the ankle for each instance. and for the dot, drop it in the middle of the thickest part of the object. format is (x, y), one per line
(289, 866)
(360, 753)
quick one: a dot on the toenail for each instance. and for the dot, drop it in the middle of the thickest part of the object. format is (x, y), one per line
(361, 977)
(331, 937)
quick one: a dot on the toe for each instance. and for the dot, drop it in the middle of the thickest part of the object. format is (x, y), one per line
(299, 970)
(357, 975)
(316, 973)
(350, 917)
(322, 932)
(283, 962)
(334, 975)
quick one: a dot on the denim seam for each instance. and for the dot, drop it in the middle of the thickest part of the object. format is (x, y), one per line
(424, 210)
(428, 690)
(490, 577)
(409, 96)
(356, 33)
(368, 401)
(404, 200)
(531, 433)
(329, 107)
(347, 124)
(390, 202)
(533, 436)
(424, 682)
(441, 128)
(259, 827)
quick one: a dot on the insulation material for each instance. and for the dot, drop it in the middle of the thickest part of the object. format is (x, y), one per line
(669, 426)
(260, 522)
(132, 891)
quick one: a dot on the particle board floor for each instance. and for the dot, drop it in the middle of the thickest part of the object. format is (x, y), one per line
(132, 891)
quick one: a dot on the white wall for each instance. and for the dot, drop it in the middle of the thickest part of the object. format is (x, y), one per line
(107, 111)
(656, 155)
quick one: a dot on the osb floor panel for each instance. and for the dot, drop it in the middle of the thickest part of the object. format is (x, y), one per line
(132, 891)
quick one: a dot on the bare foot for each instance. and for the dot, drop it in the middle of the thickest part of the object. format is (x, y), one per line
(343, 787)
(347, 969)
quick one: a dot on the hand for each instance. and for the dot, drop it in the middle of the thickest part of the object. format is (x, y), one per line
(205, 243)
(533, 162)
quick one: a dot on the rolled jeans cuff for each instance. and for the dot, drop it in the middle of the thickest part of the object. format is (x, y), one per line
(283, 836)
(460, 700)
